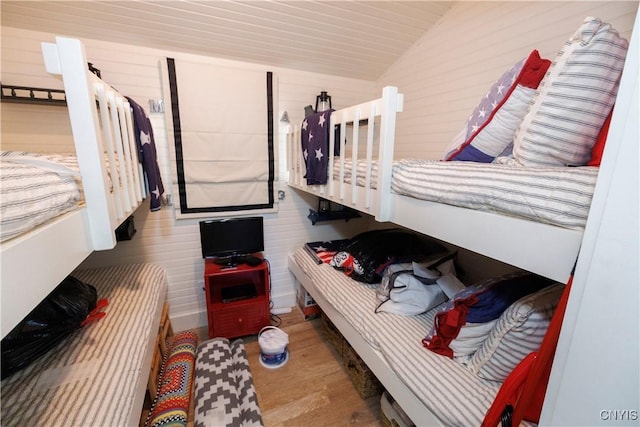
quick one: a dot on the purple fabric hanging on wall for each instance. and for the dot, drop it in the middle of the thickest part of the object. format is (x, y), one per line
(147, 154)
(315, 146)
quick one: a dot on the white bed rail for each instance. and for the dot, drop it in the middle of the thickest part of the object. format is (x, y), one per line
(102, 126)
(361, 117)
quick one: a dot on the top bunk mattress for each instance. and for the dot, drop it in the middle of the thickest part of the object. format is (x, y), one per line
(94, 376)
(559, 196)
(35, 188)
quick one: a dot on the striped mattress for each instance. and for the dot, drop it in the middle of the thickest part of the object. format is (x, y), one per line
(95, 377)
(554, 195)
(452, 392)
(34, 189)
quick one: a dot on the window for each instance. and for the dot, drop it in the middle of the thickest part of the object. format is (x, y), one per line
(222, 122)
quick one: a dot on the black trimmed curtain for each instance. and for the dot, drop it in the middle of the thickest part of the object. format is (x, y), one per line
(223, 137)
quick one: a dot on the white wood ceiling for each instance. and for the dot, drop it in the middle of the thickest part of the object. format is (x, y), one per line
(357, 39)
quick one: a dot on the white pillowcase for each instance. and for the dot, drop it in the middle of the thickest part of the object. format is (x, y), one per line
(470, 338)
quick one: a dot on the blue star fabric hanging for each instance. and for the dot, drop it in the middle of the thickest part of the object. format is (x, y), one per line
(147, 154)
(315, 146)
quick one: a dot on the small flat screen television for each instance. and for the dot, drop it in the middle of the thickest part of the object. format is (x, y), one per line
(230, 240)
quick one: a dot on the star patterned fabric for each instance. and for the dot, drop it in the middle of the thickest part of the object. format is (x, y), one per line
(323, 252)
(491, 128)
(147, 154)
(492, 99)
(315, 146)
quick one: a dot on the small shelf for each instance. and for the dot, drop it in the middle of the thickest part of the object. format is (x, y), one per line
(346, 214)
(330, 211)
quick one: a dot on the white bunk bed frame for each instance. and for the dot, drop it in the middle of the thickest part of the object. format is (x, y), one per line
(101, 120)
(517, 243)
(508, 239)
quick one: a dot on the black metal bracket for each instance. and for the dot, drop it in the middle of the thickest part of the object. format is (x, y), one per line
(38, 95)
(94, 70)
(33, 95)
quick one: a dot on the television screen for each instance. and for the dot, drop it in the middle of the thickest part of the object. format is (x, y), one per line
(235, 237)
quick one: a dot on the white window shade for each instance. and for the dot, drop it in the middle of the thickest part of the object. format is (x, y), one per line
(222, 120)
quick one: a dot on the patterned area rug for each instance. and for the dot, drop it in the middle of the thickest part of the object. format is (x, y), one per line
(224, 391)
(174, 392)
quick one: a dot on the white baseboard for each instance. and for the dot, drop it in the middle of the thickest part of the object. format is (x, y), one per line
(198, 319)
(281, 310)
(192, 320)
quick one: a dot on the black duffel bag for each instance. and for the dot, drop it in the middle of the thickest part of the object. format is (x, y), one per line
(376, 248)
(63, 311)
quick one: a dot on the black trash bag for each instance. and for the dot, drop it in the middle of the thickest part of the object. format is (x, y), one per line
(56, 317)
(375, 249)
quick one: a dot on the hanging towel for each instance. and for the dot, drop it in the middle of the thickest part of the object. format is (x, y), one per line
(147, 154)
(315, 146)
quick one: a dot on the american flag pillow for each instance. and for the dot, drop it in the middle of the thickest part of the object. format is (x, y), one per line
(323, 251)
(492, 126)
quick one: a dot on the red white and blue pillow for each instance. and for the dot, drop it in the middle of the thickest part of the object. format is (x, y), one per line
(574, 100)
(490, 129)
(461, 325)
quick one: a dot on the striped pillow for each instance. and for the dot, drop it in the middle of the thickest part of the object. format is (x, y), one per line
(575, 98)
(518, 332)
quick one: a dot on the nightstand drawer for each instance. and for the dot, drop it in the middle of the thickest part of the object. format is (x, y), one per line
(238, 321)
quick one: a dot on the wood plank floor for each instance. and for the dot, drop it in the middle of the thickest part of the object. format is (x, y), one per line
(312, 388)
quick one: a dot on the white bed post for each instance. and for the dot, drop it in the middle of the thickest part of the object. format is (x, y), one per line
(369, 155)
(67, 58)
(354, 158)
(293, 140)
(391, 104)
(290, 166)
(107, 133)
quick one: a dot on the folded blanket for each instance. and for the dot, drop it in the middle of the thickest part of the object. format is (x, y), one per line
(171, 406)
(324, 251)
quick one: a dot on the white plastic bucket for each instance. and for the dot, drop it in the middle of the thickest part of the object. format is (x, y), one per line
(273, 347)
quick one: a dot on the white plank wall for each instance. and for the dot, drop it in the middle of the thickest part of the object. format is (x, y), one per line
(161, 239)
(446, 73)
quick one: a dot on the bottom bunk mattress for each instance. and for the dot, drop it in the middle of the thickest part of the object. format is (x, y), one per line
(98, 375)
(448, 388)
